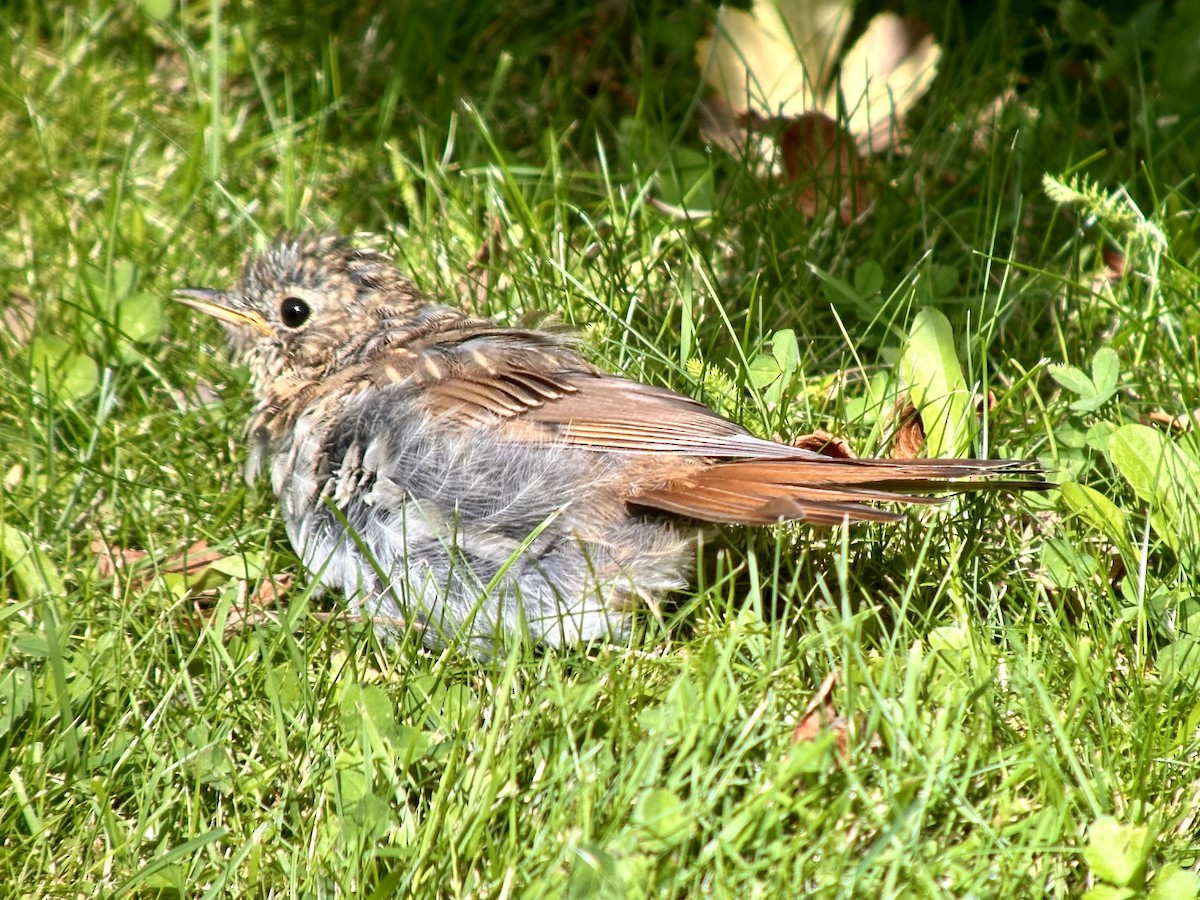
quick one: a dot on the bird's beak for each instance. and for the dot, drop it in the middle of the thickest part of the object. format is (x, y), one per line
(208, 301)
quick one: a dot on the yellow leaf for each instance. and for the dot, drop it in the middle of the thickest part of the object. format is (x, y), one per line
(775, 59)
(883, 75)
(778, 59)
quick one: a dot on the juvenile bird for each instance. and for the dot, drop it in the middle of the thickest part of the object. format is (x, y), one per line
(482, 480)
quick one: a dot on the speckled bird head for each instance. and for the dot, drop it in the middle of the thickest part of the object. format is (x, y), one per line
(305, 304)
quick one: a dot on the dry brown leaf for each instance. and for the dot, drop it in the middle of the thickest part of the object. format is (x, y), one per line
(1164, 419)
(909, 436)
(18, 319)
(821, 716)
(826, 444)
(255, 611)
(238, 621)
(1113, 271)
(1117, 570)
(272, 588)
(110, 559)
(192, 561)
(475, 284)
(775, 63)
(1114, 262)
(822, 157)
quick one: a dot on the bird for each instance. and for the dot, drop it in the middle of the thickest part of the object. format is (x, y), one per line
(485, 483)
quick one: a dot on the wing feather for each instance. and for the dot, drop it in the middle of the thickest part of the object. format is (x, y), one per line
(718, 471)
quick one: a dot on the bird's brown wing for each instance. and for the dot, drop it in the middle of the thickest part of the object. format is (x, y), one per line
(531, 387)
(711, 469)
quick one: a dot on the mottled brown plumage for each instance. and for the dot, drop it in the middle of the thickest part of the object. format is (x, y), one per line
(494, 480)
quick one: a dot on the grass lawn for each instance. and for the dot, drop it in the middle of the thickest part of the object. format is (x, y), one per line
(1013, 708)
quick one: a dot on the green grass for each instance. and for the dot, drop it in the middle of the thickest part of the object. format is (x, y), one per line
(1010, 672)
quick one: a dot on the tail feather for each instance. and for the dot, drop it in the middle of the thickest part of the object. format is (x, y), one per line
(828, 491)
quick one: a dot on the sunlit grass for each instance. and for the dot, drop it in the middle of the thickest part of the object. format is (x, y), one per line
(993, 708)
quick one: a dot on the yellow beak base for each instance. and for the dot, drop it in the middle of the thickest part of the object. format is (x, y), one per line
(208, 302)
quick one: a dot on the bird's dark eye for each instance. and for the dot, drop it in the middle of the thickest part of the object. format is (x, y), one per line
(293, 311)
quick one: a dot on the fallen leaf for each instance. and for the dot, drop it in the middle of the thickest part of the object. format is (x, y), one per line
(826, 444)
(909, 436)
(1114, 262)
(777, 60)
(740, 135)
(1164, 419)
(822, 157)
(820, 716)
(882, 77)
(1113, 270)
(194, 560)
(272, 588)
(254, 611)
(110, 559)
(1117, 570)
(774, 59)
(18, 319)
(475, 284)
